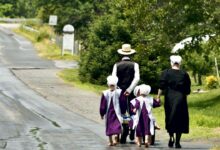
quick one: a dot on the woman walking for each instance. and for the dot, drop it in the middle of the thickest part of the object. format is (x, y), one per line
(175, 83)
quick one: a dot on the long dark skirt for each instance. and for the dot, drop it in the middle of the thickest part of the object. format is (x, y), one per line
(176, 112)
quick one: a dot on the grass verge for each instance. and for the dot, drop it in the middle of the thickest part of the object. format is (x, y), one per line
(71, 76)
(204, 115)
(45, 47)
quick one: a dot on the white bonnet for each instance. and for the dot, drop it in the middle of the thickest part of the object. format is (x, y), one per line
(112, 80)
(136, 89)
(175, 59)
(145, 89)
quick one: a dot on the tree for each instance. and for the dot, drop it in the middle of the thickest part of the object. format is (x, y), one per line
(18, 8)
(5, 9)
(75, 12)
(152, 27)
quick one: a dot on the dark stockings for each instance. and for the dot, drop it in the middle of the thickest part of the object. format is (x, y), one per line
(178, 137)
(171, 136)
(172, 140)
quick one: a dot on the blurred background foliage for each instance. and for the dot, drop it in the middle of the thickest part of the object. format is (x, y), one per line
(152, 27)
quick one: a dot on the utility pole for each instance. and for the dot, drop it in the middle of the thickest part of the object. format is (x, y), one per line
(216, 66)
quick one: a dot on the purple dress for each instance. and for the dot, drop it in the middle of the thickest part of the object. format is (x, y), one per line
(113, 125)
(143, 126)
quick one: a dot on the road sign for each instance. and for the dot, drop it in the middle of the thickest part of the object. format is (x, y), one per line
(53, 20)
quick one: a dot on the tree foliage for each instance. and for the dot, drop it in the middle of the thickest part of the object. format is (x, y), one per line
(152, 28)
(18, 8)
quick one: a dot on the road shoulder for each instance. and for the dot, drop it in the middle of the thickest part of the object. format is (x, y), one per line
(51, 87)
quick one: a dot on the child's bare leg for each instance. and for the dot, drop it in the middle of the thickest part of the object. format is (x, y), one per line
(146, 141)
(116, 139)
(110, 141)
(138, 141)
(157, 127)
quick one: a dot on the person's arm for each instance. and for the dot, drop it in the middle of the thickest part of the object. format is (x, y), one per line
(103, 106)
(156, 103)
(135, 80)
(188, 84)
(114, 71)
(162, 83)
(159, 93)
(123, 103)
(135, 107)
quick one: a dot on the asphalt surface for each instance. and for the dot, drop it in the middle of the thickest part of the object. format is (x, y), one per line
(28, 121)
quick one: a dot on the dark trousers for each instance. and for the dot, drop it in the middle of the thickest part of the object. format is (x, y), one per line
(125, 132)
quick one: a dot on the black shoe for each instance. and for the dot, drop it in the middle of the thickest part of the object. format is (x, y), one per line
(178, 145)
(171, 142)
(131, 136)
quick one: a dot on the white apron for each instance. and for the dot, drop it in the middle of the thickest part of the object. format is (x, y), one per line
(149, 104)
(115, 97)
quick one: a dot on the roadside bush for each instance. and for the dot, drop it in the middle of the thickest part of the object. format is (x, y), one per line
(211, 82)
(100, 52)
(45, 32)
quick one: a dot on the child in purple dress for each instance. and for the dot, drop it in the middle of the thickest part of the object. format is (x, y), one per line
(143, 122)
(113, 105)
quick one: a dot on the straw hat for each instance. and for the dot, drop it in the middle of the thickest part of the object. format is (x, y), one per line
(126, 50)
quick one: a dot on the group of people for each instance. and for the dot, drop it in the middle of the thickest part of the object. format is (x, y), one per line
(124, 96)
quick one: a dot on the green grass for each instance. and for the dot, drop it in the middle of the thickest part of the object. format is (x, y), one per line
(216, 148)
(45, 47)
(204, 115)
(71, 76)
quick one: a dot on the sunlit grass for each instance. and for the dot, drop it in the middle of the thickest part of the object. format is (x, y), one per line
(204, 115)
(71, 76)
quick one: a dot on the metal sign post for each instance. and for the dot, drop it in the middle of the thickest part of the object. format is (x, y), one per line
(216, 66)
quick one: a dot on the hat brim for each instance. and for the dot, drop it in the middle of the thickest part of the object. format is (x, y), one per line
(120, 51)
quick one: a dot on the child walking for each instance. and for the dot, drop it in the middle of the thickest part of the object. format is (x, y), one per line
(112, 106)
(143, 121)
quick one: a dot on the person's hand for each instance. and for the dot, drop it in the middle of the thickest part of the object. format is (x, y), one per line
(126, 93)
(135, 110)
(158, 98)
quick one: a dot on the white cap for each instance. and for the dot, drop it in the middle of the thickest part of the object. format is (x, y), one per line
(136, 89)
(145, 89)
(112, 80)
(175, 59)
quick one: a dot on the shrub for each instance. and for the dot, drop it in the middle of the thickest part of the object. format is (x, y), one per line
(42, 35)
(211, 82)
(45, 32)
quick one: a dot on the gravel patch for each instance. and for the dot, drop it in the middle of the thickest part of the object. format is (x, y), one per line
(49, 85)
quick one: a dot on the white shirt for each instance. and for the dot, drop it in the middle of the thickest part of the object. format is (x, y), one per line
(136, 75)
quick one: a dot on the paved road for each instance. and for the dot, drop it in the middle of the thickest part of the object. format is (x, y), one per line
(29, 122)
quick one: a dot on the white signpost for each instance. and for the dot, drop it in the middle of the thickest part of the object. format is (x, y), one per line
(53, 20)
(68, 38)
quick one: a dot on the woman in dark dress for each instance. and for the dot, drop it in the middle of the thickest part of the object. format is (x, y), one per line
(175, 83)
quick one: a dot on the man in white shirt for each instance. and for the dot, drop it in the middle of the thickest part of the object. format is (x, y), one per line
(128, 75)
